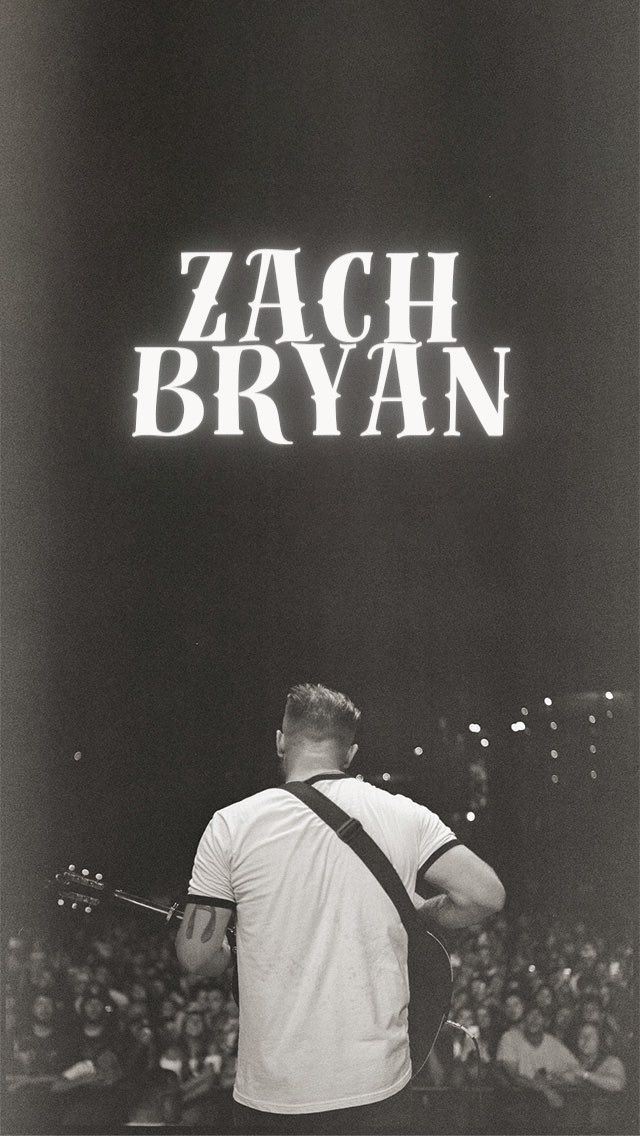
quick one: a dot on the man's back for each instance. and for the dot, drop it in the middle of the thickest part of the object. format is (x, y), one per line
(321, 949)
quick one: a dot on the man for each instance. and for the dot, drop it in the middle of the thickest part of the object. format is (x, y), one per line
(322, 965)
(538, 1063)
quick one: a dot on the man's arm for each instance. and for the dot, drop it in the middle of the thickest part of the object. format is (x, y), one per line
(506, 1074)
(610, 1076)
(470, 890)
(200, 943)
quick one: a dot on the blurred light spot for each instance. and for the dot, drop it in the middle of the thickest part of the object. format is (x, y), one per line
(548, 702)
(516, 726)
(554, 725)
(386, 776)
(593, 774)
(471, 816)
(554, 753)
(592, 719)
(484, 742)
(555, 778)
(77, 755)
(592, 749)
(418, 751)
(524, 711)
(609, 713)
(474, 727)
(608, 694)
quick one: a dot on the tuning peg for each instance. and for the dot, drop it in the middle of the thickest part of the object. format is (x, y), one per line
(72, 867)
(61, 903)
(88, 910)
(85, 871)
(98, 875)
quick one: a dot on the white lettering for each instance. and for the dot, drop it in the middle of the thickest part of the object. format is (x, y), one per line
(149, 385)
(284, 265)
(229, 393)
(325, 393)
(400, 302)
(332, 302)
(462, 370)
(205, 296)
(405, 355)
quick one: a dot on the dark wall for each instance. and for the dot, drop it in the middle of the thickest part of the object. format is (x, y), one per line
(160, 596)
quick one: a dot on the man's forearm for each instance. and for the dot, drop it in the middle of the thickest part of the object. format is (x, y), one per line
(508, 1076)
(610, 1082)
(448, 913)
(204, 963)
(196, 940)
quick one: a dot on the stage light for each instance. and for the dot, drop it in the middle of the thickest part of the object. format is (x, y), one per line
(471, 816)
(592, 719)
(474, 727)
(593, 774)
(524, 711)
(516, 726)
(418, 751)
(555, 778)
(592, 749)
(548, 702)
(554, 725)
(386, 776)
(608, 694)
(554, 753)
(484, 742)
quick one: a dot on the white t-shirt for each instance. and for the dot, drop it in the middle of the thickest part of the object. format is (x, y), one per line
(321, 948)
(527, 1059)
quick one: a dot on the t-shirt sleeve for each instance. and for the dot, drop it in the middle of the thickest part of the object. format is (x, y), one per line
(211, 875)
(561, 1057)
(507, 1051)
(435, 837)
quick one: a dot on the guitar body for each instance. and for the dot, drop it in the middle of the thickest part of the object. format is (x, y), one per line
(430, 987)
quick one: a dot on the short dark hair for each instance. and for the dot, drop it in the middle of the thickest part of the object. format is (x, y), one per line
(321, 714)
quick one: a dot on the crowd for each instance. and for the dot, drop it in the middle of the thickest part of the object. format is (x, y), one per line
(102, 1027)
(548, 1005)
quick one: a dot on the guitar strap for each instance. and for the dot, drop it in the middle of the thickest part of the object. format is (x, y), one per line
(352, 833)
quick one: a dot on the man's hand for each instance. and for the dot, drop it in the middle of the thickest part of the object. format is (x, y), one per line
(553, 1097)
(82, 1073)
(568, 1077)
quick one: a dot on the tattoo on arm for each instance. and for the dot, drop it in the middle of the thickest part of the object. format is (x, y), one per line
(210, 927)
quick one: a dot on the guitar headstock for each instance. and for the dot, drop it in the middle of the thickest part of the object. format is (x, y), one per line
(81, 891)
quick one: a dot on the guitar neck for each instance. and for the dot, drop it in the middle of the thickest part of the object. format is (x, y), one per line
(170, 913)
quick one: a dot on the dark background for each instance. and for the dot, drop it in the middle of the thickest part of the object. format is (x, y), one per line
(160, 595)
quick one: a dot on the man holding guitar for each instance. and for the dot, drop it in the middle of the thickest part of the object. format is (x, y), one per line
(322, 929)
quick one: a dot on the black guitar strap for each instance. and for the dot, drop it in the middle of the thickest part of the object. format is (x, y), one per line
(352, 833)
